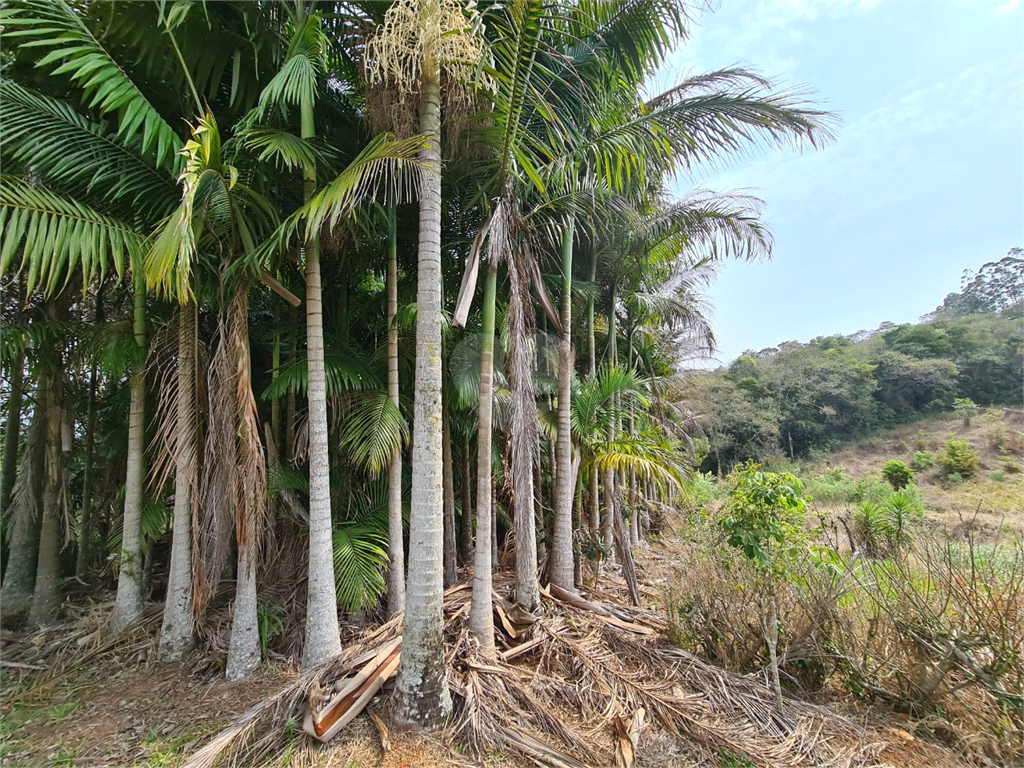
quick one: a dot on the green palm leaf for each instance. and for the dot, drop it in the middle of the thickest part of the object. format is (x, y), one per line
(374, 430)
(360, 557)
(71, 49)
(54, 235)
(76, 154)
(387, 160)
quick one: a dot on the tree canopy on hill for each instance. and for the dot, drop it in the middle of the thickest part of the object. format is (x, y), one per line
(799, 397)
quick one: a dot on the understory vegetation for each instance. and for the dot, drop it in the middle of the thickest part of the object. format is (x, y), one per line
(887, 597)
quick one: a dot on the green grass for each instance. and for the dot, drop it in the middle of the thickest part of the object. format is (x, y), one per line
(63, 710)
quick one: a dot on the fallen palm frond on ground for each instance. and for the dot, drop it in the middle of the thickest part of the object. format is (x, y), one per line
(58, 650)
(582, 684)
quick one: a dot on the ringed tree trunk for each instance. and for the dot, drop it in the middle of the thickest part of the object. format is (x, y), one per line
(12, 433)
(46, 595)
(451, 565)
(85, 531)
(466, 528)
(177, 632)
(323, 639)
(591, 336)
(129, 603)
(524, 432)
(561, 546)
(421, 692)
(251, 496)
(396, 553)
(481, 617)
(23, 532)
(595, 504)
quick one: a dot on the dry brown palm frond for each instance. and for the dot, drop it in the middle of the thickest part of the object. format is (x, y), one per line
(162, 363)
(218, 499)
(565, 700)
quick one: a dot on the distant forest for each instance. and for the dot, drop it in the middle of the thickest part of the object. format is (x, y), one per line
(798, 399)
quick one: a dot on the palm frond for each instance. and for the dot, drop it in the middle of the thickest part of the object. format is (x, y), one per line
(360, 558)
(374, 430)
(384, 160)
(52, 235)
(285, 149)
(76, 154)
(346, 369)
(71, 49)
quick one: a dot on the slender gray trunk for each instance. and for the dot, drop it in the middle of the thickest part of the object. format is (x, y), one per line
(12, 433)
(85, 530)
(244, 650)
(466, 530)
(46, 595)
(177, 632)
(129, 603)
(451, 565)
(323, 639)
(396, 547)
(481, 619)
(562, 572)
(23, 530)
(595, 504)
(421, 691)
(609, 512)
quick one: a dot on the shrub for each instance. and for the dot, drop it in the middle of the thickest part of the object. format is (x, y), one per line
(898, 474)
(922, 461)
(995, 429)
(965, 408)
(702, 489)
(882, 528)
(872, 488)
(959, 458)
(997, 476)
(954, 477)
(833, 488)
(1010, 466)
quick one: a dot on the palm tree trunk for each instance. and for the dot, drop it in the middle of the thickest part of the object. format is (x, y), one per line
(323, 639)
(466, 529)
(275, 363)
(422, 696)
(176, 634)
(289, 411)
(561, 546)
(396, 553)
(607, 523)
(129, 602)
(251, 495)
(23, 531)
(85, 529)
(244, 650)
(46, 597)
(609, 475)
(451, 565)
(595, 504)
(591, 340)
(12, 431)
(481, 619)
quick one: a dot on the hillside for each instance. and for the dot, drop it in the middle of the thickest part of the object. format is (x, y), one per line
(992, 499)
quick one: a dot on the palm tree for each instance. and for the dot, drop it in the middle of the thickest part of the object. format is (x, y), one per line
(418, 39)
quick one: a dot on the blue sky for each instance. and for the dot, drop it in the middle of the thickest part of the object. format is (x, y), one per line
(924, 180)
